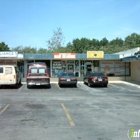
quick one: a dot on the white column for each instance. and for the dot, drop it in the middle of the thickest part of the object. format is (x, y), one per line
(25, 68)
(51, 68)
(79, 68)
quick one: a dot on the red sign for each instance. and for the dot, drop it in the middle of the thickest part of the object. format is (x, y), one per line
(64, 55)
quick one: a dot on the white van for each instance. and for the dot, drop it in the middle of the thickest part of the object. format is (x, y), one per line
(9, 75)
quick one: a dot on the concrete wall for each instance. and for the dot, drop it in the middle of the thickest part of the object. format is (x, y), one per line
(135, 70)
(121, 78)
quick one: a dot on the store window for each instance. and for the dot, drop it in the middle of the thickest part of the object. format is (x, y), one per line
(56, 68)
(70, 66)
(115, 68)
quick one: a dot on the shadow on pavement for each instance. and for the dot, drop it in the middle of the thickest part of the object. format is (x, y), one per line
(11, 86)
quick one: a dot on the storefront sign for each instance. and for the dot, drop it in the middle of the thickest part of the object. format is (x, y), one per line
(107, 63)
(8, 62)
(64, 55)
(95, 54)
(8, 54)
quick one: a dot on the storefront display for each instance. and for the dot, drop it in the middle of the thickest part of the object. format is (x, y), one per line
(56, 68)
(115, 68)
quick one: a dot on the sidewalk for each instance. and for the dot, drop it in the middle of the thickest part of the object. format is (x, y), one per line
(131, 83)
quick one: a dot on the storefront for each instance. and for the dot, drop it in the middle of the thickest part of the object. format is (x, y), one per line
(135, 66)
(12, 58)
(80, 64)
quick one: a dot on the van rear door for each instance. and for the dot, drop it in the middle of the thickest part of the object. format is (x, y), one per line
(10, 76)
(1, 75)
(38, 76)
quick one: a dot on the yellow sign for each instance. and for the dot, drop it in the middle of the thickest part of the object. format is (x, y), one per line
(95, 54)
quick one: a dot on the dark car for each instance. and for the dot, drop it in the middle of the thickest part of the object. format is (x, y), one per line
(37, 75)
(97, 78)
(67, 78)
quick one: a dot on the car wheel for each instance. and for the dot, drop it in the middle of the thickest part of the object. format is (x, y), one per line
(89, 84)
(75, 85)
(84, 82)
(19, 82)
(60, 85)
(105, 85)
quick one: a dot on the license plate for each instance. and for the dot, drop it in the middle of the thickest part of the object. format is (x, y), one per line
(68, 79)
(99, 79)
(37, 83)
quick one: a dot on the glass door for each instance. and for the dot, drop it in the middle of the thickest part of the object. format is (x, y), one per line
(70, 67)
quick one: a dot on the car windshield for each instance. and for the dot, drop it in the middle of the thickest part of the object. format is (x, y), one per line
(97, 74)
(67, 74)
(70, 74)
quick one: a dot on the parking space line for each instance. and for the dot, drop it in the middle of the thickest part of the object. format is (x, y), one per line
(21, 87)
(58, 86)
(4, 109)
(68, 115)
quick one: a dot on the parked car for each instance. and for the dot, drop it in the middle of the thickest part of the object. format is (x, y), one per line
(67, 78)
(96, 78)
(9, 75)
(38, 75)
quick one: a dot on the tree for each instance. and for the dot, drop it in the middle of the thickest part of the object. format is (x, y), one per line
(117, 41)
(29, 49)
(18, 49)
(4, 47)
(95, 44)
(77, 46)
(56, 41)
(133, 39)
(42, 50)
(103, 42)
(26, 49)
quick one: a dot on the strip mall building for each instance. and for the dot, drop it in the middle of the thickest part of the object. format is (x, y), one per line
(119, 66)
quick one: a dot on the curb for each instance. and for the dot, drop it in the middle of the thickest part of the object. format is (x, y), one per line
(110, 82)
(124, 82)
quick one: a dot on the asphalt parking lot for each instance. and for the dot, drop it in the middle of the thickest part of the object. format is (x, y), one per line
(69, 113)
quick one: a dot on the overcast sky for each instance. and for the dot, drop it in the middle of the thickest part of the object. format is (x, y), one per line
(31, 22)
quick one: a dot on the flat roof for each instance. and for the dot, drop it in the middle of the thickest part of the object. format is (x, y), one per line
(78, 56)
(131, 58)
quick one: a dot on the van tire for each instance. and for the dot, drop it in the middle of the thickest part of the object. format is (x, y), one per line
(19, 82)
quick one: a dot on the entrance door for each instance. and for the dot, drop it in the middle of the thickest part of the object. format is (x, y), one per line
(70, 67)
